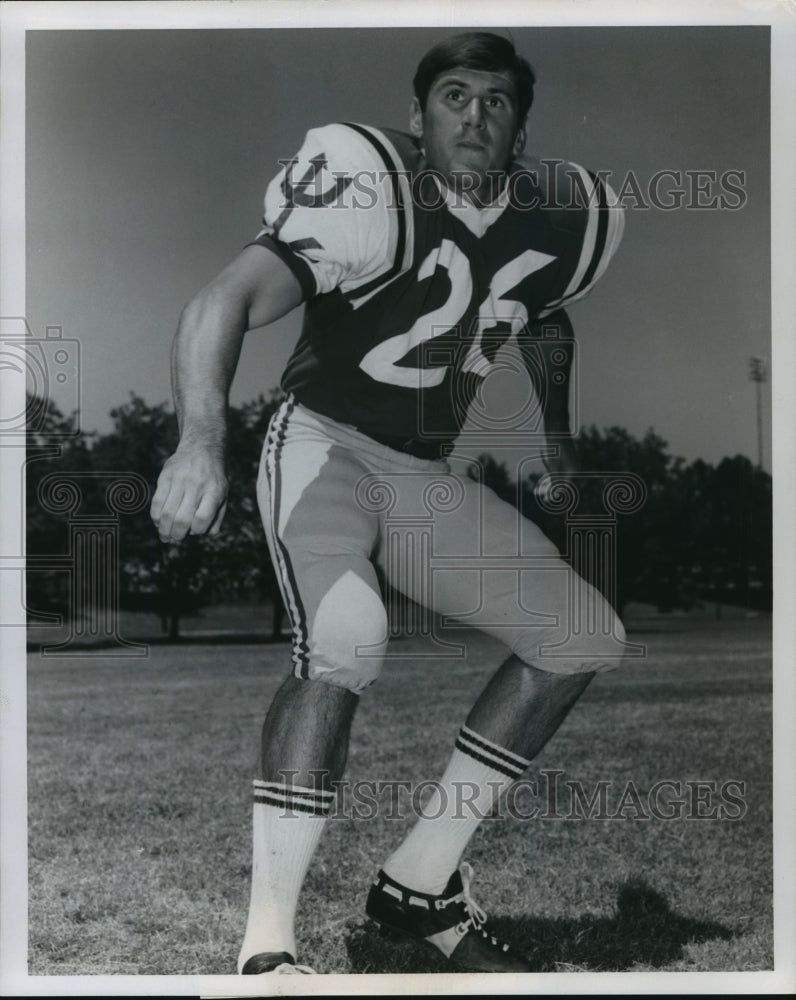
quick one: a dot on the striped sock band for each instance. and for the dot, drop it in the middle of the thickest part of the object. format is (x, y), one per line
(287, 823)
(292, 800)
(485, 752)
(432, 850)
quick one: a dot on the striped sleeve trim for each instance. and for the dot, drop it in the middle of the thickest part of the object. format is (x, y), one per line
(483, 750)
(299, 267)
(605, 226)
(615, 229)
(307, 800)
(600, 233)
(399, 212)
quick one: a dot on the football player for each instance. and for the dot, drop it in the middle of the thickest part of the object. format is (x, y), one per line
(417, 256)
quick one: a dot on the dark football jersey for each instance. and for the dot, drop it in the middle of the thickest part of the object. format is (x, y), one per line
(411, 290)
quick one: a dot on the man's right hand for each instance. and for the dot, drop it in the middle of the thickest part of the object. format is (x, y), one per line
(191, 495)
(257, 288)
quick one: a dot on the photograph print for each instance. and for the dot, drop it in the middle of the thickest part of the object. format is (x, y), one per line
(398, 502)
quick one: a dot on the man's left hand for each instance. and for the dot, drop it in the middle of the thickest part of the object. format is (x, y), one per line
(566, 461)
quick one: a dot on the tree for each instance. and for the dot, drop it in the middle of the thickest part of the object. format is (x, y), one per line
(702, 533)
(53, 444)
(175, 580)
(739, 534)
(169, 580)
(643, 566)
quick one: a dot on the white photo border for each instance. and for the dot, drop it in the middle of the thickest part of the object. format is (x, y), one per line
(18, 18)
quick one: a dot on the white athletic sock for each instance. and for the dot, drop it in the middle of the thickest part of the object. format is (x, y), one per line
(287, 823)
(478, 772)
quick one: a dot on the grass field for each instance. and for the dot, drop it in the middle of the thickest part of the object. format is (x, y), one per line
(139, 810)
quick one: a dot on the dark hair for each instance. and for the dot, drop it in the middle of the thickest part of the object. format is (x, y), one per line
(480, 50)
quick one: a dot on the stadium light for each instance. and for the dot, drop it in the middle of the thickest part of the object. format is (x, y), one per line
(758, 374)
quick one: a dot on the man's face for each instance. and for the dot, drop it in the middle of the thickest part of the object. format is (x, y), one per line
(470, 128)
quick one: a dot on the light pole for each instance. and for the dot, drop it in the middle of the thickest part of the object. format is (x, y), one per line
(758, 375)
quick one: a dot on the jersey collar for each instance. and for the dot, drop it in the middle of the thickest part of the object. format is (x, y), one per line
(477, 220)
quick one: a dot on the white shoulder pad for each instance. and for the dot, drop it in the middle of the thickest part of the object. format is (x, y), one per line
(597, 227)
(330, 205)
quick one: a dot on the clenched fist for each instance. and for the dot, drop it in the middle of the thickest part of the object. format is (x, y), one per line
(191, 495)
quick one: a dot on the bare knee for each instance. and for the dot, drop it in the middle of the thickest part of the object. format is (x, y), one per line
(542, 679)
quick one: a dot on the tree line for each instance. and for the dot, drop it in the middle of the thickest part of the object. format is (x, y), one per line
(702, 534)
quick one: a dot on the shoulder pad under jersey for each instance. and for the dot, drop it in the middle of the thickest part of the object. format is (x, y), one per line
(582, 205)
(337, 210)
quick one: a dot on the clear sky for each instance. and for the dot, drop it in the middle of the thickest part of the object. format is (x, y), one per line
(148, 153)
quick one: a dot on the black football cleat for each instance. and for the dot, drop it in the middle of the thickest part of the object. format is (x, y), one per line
(452, 922)
(274, 961)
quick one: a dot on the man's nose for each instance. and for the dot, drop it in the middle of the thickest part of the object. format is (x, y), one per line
(474, 113)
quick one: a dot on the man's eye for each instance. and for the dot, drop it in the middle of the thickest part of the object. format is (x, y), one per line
(496, 102)
(454, 95)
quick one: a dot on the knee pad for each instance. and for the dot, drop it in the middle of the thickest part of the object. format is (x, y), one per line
(576, 646)
(349, 635)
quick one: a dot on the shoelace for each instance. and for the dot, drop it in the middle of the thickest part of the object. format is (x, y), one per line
(476, 915)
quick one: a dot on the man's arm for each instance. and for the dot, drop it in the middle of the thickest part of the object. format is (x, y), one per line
(255, 289)
(552, 340)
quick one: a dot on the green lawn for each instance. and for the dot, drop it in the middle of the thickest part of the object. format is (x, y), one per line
(139, 810)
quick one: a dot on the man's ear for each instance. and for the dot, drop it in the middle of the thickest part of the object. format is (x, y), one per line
(519, 141)
(415, 119)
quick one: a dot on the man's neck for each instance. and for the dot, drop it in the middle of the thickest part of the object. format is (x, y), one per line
(485, 194)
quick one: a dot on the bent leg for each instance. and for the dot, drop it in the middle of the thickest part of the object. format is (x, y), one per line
(525, 598)
(320, 543)
(304, 746)
(514, 717)
(523, 592)
(305, 734)
(570, 633)
(522, 707)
